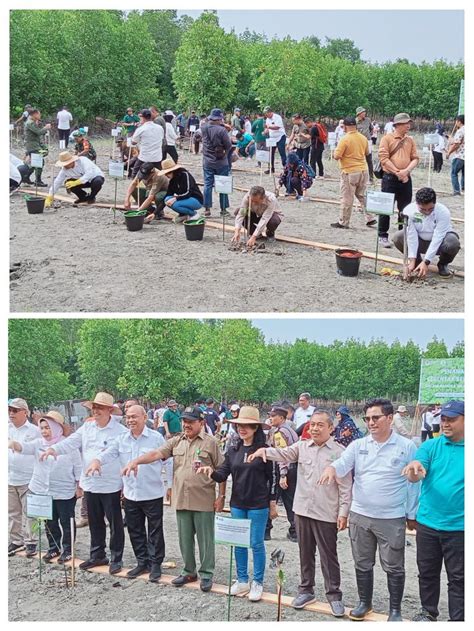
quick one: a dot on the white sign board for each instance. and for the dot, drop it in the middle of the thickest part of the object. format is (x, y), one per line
(262, 155)
(380, 203)
(115, 132)
(192, 128)
(232, 532)
(116, 169)
(431, 139)
(36, 160)
(39, 506)
(119, 129)
(12, 126)
(223, 184)
(271, 142)
(62, 144)
(86, 129)
(332, 139)
(129, 141)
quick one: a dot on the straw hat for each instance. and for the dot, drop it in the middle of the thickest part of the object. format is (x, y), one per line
(103, 398)
(402, 409)
(168, 165)
(248, 416)
(65, 158)
(54, 415)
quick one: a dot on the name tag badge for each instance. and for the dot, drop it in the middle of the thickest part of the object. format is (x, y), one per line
(363, 452)
(418, 218)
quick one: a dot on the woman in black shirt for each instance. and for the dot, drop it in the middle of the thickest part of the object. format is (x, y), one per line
(253, 491)
(184, 195)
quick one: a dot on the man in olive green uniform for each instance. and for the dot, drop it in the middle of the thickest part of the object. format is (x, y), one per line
(193, 496)
(34, 140)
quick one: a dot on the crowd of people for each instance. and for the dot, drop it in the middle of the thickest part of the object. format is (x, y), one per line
(328, 473)
(148, 149)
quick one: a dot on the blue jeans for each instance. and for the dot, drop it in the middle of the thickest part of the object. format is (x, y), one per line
(209, 174)
(185, 206)
(258, 517)
(456, 166)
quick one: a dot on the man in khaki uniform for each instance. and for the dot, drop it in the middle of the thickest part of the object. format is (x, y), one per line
(320, 512)
(351, 153)
(194, 499)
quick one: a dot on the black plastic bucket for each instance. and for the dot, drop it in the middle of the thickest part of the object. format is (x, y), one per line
(348, 261)
(134, 220)
(35, 205)
(194, 230)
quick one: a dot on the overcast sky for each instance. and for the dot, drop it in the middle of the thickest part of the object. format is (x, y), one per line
(325, 331)
(382, 35)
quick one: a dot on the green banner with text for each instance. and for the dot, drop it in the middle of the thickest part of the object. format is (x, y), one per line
(441, 380)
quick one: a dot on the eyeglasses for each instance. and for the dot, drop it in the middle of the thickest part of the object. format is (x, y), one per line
(375, 418)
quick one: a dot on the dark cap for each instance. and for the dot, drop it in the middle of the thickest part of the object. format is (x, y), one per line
(193, 413)
(278, 409)
(350, 120)
(145, 170)
(452, 409)
(210, 400)
(216, 115)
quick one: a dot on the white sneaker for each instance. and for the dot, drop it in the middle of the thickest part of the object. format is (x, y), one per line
(384, 242)
(256, 591)
(239, 588)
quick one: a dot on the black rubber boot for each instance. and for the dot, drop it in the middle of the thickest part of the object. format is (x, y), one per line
(365, 587)
(443, 268)
(396, 585)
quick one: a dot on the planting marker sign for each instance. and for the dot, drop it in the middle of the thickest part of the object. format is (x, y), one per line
(441, 380)
(380, 203)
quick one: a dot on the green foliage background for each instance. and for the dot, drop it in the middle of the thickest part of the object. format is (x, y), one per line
(53, 360)
(101, 62)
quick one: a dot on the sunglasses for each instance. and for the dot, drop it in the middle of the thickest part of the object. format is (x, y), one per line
(375, 418)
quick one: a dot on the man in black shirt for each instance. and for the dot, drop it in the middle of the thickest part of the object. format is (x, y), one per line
(211, 417)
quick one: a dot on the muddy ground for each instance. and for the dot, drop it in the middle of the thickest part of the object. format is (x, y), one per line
(104, 597)
(81, 259)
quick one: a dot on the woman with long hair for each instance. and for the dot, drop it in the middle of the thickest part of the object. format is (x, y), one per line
(253, 497)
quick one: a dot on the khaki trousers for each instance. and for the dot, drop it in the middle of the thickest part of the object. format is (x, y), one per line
(353, 184)
(19, 526)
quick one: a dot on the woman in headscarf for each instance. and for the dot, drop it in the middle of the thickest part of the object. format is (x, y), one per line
(56, 477)
(295, 176)
(346, 430)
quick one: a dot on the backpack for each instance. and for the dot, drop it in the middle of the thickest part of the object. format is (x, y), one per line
(323, 132)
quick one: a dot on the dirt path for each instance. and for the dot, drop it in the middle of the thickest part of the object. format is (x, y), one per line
(78, 259)
(107, 598)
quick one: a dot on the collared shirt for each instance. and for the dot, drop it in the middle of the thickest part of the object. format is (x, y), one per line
(84, 170)
(442, 490)
(401, 158)
(276, 119)
(399, 425)
(364, 127)
(20, 466)
(459, 137)
(281, 437)
(150, 141)
(264, 210)
(380, 490)
(148, 483)
(55, 477)
(301, 142)
(64, 119)
(322, 502)
(351, 151)
(433, 227)
(94, 440)
(190, 490)
(302, 416)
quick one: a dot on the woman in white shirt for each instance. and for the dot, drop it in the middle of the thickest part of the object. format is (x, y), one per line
(171, 137)
(438, 153)
(58, 478)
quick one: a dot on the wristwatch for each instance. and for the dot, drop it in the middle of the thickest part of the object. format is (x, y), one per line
(426, 261)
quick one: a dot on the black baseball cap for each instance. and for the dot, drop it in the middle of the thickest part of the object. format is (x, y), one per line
(193, 413)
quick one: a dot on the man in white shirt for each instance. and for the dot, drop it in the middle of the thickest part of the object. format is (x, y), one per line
(77, 173)
(456, 154)
(389, 128)
(429, 232)
(103, 492)
(150, 138)
(275, 129)
(427, 420)
(384, 504)
(303, 413)
(20, 470)
(64, 117)
(143, 493)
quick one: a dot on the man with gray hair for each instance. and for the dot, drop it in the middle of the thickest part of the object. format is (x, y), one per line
(20, 470)
(143, 494)
(320, 512)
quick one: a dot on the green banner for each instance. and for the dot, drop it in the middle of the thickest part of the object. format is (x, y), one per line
(441, 380)
(461, 98)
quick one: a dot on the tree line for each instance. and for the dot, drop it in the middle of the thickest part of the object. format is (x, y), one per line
(52, 360)
(101, 62)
